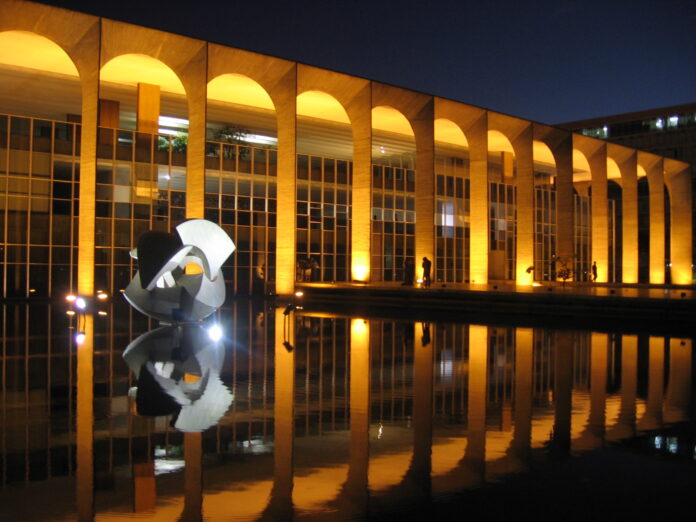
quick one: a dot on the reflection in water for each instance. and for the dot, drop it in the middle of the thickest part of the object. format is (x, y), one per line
(177, 369)
(332, 416)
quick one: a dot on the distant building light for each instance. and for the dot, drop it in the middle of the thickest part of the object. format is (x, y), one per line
(673, 121)
(659, 123)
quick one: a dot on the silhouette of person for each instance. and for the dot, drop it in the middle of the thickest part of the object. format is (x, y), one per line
(594, 271)
(426, 271)
(409, 272)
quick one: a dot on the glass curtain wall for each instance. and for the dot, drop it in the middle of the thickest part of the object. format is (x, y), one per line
(241, 197)
(393, 217)
(583, 237)
(323, 218)
(141, 186)
(39, 176)
(452, 219)
(545, 263)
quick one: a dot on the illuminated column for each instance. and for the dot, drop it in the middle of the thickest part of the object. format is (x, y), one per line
(678, 396)
(629, 204)
(361, 197)
(286, 101)
(197, 95)
(419, 471)
(424, 131)
(89, 78)
(656, 187)
(193, 477)
(600, 212)
(562, 392)
(652, 419)
(524, 370)
(355, 491)
(280, 503)
(144, 486)
(148, 111)
(565, 217)
(475, 456)
(626, 425)
(681, 238)
(524, 181)
(593, 436)
(84, 476)
(478, 213)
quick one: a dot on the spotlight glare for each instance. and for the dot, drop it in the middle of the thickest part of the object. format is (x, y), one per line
(215, 333)
(80, 337)
(70, 298)
(81, 303)
(70, 312)
(299, 293)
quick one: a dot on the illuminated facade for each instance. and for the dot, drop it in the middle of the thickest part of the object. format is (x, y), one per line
(109, 129)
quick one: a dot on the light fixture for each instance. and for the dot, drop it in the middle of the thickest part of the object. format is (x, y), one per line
(70, 298)
(80, 338)
(215, 333)
(80, 303)
(299, 293)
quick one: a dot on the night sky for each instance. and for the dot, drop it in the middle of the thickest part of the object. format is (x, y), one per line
(547, 61)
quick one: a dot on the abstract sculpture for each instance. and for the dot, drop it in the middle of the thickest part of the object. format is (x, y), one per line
(163, 289)
(179, 282)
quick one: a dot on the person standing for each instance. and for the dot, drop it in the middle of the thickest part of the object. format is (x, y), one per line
(594, 271)
(426, 271)
(409, 272)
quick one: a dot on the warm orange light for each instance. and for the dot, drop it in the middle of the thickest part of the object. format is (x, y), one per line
(299, 293)
(70, 298)
(131, 69)
(360, 271)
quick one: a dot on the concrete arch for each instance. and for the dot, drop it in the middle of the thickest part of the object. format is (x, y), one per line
(622, 167)
(131, 69)
(320, 105)
(595, 153)
(279, 79)
(388, 119)
(354, 95)
(446, 131)
(654, 168)
(473, 122)
(239, 89)
(678, 181)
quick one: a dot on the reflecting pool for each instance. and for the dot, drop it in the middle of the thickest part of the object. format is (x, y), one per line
(309, 415)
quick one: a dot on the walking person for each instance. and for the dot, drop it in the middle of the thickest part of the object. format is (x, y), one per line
(426, 271)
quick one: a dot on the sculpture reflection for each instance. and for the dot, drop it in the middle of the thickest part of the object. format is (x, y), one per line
(178, 373)
(177, 366)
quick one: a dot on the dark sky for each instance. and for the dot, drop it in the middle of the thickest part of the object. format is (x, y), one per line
(547, 61)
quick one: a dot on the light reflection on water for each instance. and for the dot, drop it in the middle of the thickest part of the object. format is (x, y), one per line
(332, 416)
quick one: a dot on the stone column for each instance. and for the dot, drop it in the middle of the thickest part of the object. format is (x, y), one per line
(361, 224)
(600, 212)
(286, 102)
(681, 237)
(477, 135)
(656, 187)
(524, 181)
(629, 203)
(424, 132)
(565, 216)
(599, 355)
(148, 110)
(197, 94)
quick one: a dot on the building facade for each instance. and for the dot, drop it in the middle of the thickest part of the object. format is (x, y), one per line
(109, 129)
(666, 131)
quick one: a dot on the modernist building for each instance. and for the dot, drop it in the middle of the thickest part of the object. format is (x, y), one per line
(109, 129)
(666, 131)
